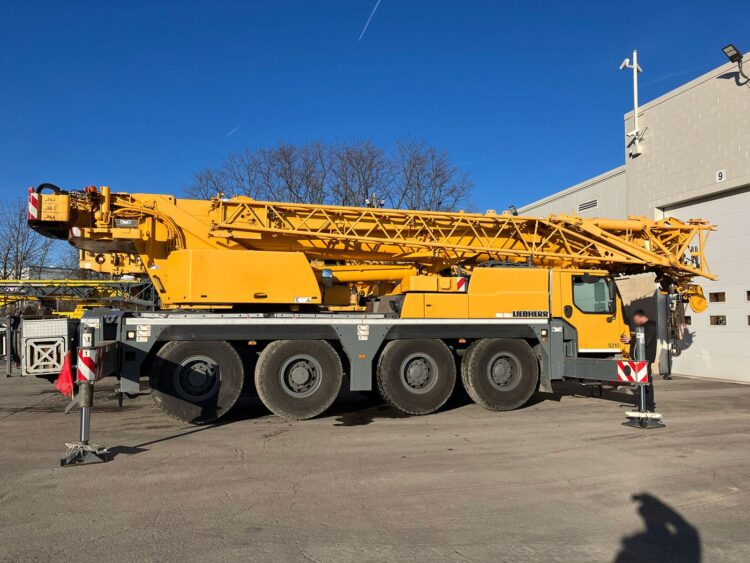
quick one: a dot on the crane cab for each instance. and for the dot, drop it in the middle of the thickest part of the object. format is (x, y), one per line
(587, 300)
(591, 303)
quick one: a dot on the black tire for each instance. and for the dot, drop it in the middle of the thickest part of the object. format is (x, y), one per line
(416, 376)
(196, 382)
(500, 374)
(298, 379)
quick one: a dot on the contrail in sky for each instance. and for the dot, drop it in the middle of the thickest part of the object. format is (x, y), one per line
(234, 129)
(675, 74)
(375, 9)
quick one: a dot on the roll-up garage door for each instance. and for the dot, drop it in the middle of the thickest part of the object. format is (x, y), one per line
(716, 343)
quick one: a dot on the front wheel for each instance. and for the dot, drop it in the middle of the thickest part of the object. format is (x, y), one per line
(500, 374)
(196, 382)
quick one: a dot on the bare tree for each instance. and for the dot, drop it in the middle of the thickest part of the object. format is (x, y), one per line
(239, 173)
(68, 258)
(360, 171)
(427, 179)
(315, 171)
(415, 176)
(298, 174)
(208, 183)
(20, 247)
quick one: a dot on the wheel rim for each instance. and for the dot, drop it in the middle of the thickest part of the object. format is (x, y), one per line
(197, 378)
(300, 376)
(419, 373)
(504, 371)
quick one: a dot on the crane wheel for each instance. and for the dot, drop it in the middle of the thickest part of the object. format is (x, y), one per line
(416, 376)
(298, 379)
(196, 381)
(500, 374)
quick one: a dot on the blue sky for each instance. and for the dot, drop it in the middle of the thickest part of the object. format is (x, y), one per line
(525, 95)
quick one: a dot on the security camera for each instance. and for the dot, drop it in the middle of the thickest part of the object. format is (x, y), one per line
(624, 64)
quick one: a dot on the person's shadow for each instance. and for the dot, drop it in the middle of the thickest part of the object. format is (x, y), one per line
(667, 537)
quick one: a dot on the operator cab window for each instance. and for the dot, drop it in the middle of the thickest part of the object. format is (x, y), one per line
(591, 294)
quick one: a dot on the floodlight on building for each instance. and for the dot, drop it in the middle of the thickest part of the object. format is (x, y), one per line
(732, 53)
(636, 134)
(735, 56)
(513, 210)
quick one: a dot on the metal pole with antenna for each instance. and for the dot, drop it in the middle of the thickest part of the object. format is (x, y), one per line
(636, 133)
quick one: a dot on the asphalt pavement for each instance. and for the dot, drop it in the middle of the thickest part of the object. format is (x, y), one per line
(558, 480)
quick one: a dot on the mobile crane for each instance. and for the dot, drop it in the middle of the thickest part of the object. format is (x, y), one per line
(517, 302)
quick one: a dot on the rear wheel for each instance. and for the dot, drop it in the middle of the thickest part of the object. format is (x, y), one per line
(196, 382)
(298, 379)
(416, 376)
(500, 374)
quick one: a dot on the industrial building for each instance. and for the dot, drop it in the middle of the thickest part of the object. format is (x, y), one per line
(690, 158)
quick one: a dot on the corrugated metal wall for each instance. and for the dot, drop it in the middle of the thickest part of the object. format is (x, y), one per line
(607, 190)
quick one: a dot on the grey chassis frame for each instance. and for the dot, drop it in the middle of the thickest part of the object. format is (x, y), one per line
(361, 337)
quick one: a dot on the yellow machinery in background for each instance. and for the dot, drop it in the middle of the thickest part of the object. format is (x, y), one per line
(83, 294)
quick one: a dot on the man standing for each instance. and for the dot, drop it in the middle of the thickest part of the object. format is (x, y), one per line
(640, 318)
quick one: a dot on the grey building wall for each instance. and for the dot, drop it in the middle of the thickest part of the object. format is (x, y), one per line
(714, 343)
(692, 133)
(695, 163)
(607, 189)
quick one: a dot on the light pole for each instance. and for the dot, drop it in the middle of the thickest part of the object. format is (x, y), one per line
(636, 134)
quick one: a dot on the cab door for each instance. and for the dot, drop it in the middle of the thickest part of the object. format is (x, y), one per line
(591, 303)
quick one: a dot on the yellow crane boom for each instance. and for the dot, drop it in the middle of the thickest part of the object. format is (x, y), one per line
(181, 239)
(441, 239)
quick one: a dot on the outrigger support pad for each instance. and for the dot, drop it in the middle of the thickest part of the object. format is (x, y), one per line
(87, 368)
(637, 419)
(642, 418)
(82, 454)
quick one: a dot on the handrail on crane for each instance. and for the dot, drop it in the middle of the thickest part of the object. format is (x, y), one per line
(133, 292)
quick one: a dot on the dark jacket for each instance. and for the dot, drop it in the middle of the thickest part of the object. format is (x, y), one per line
(650, 336)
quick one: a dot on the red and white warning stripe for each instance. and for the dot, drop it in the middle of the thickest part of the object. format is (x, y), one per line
(461, 284)
(33, 206)
(87, 364)
(632, 372)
